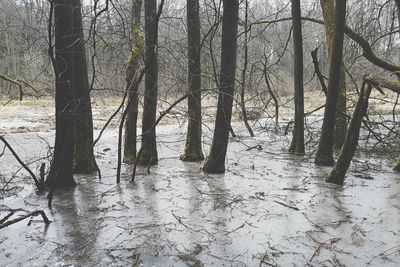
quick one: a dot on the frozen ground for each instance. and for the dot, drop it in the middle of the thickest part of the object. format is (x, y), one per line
(269, 209)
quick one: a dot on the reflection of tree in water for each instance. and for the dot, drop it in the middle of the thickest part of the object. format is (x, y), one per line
(76, 211)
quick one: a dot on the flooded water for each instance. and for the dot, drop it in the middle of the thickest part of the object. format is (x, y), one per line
(269, 209)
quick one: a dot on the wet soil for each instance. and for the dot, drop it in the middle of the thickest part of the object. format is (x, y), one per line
(270, 208)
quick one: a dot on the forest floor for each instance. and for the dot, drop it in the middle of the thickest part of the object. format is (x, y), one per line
(270, 208)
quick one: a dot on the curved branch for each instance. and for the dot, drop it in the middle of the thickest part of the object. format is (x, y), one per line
(368, 52)
(37, 183)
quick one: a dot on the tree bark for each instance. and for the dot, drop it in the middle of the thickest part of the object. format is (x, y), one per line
(328, 9)
(351, 141)
(84, 160)
(215, 162)
(149, 145)
(324, 154)
(134, 60)
(297, 144)
(193, 149)
(62, 164)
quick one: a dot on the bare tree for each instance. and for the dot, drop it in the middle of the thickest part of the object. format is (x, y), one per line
(193, 150)
(215, 162)
(297, 145)
(328, 11)
(324, 154)
(134, 59)
(61, 167)
(149, 151)
(84, 160)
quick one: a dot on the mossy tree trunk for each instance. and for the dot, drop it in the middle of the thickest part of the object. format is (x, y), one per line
(134, 59)
(193, 149)
(84, 160)
(328, 11)
(297, 144)
(62, 163)
(338, 173)
(149, 145)
(215, 162)
(324, 154)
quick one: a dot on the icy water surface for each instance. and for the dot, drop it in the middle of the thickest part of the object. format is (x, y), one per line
(269, 209)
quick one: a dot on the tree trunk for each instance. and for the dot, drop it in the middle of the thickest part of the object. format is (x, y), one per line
(215, 162)
(398, 12)
(244, 71)
(328, 7)
(149, 152)
(351, 141)
(193, 150)
(297, 145)
(134, 60)
(84, 160)
(61, 168)
(324, 154)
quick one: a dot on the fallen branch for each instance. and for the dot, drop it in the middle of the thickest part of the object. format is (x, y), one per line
(39, 185)
(286, 205)
(33, 213)
(368, 52)
(19, 83)
(378, 82)
(317, 70)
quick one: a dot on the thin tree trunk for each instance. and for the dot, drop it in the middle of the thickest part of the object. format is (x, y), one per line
(324, 154)
(61, 168)
(273, 96)
(215, 162)
(297, 145)
(398, 12)
(351, 141)
(134, 60)
(84, 160)
(193, 149)
(328, 7)
(244, 72)
(149, 145)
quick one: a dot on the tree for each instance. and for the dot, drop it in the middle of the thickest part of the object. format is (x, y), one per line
(193, 150)
(215, 162)
(149, 151)
(297, 145)
(61, 167)
(84, 160)
(244, 70)
(328, 9)
(338, 173)
(324, 154)
(134, 60)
